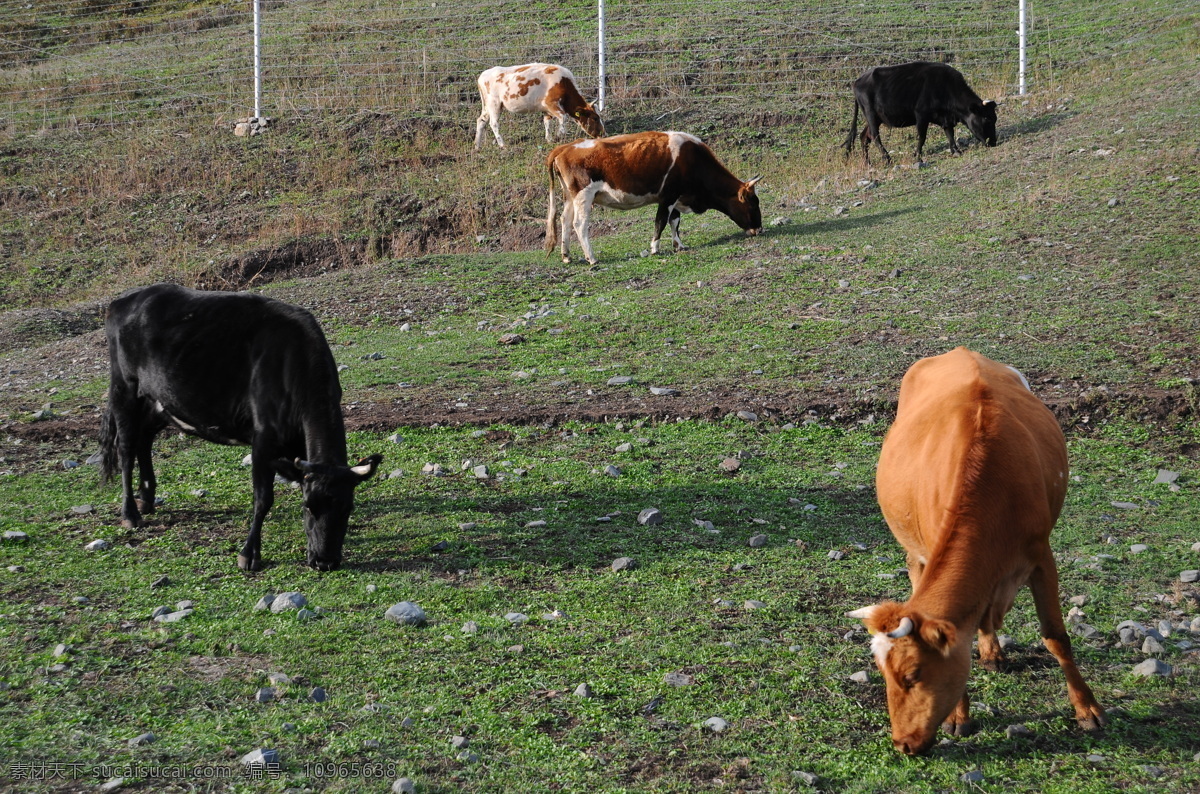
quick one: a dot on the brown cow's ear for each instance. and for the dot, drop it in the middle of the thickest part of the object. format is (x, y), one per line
(938, 634)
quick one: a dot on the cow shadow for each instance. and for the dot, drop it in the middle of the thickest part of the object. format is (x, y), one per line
(843, 223)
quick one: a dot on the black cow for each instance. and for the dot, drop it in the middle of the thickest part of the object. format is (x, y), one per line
(920, 93)
(232, 368)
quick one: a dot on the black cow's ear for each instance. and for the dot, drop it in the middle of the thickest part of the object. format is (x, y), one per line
(366, 467)
(990, 104)
(287, 469)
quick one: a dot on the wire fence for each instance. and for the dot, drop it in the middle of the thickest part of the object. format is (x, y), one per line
(69, 63)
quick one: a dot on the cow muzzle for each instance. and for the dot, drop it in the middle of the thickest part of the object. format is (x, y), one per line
(754, 232)
(322, 564)
(913, 745)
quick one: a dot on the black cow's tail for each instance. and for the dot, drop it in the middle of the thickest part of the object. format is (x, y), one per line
(849, 144)
(551, 226)
(107, 455)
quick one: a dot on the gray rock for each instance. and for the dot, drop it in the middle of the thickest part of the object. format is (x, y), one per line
(747, 416)
(1138, 548)
(173, 617)
(481, 472)
(1151, 668)
(1075, 615)
(535, 524)
(678, 679)
(97, 545)
(758, 541)
(1078, 600)
(1194, 627)
(406, 613)
(163, 610)
(1152, 771)
(1165, 477)
(395, 474)
(467, 526)
(651, 516)
(624, 564)
(557, 614)
(141, 739)
(264, 603)
(16, 568)
(264, 694)
(807, 778)
(161, 581)
(612, 471)
(262, 757)
(861, 677)
(185, 605)
(460, 742)
(516, 618)
(249, 459)
(1187, 577)
(433, 470)
(974, 776)
(1086, 631)
(1124, 505)
(620, 380)
(1017, 731)
(730, 465)
(306, 614)
(1096, 758)
(318, 695)
(1128, 636)
(1164, 628)
(403, 785)
(112, 784)
(82, 510)
(1151, 645)
(753, 604)
(715, 724)
(81, 599)
(1006, 642)
(407, 722)
(62, 649)
(836, 555)
(664, 392)
(623, 448)
(583, 691)
(289, 600)
(470, 627)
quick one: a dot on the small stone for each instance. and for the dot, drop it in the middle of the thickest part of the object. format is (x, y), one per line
(807, 778)
(16, 568)
(403, 785)
(836, 555)
(406, 613)
(620, 380)
(535, 524)
(467, 526)
(1151, 668)
(1017, 731)
(974, 776)
(82, 510)
(395, 474)
(470, 627)
(651, 516)
(511, 339)
(623, 448)
(143, 738)
(318, 695)
(758, 541)
(516, 618)
(460, 742)
(612, 471)
(467, 757)
(624, 564)
(1152, 771)
(730, 465)
(1165, 477)
(96, 545)
(515, 649)
(1124, 505)
(678, 679)
(1138, 548)
(249, 459)
(112, 784)
(1086, 631)
(433, 470)
(753, 604)
(1078, 600)
(265, 694)
(280, 679)
(1187, 577)
(289, 600)
(1151, 645)
(583, 691)
(1112, 202)
(747, 416)
(407, 722)
(182, 605)
(163, 610)
(261, 758)
(264, 603)
(161, 581)
(557, 614)
(861, 677)
(61, 649)
(81, 600)
(395, 438)
(715, 724)
(481, 472)
(659, 391)
(1096, 758)
(173, 617)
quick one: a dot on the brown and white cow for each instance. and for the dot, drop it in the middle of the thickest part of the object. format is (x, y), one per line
(971, 479)
(534, 88)
(674, 170)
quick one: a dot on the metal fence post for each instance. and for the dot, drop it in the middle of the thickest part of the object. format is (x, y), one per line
(600, 47)
(257, 63)
(1021, 31)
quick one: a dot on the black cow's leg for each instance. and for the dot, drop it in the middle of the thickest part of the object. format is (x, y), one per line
(263, 478)
(148, 484)
(129, 429)
(922, 131)
(949, 128)
(872, 121)
(660, 223)
(673, 221)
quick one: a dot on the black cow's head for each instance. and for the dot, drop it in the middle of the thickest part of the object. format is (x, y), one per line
(981, 120)
(328, 500)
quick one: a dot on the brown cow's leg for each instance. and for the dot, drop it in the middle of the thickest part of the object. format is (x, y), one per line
(1044, 584)
(991, 657)
(959, 723)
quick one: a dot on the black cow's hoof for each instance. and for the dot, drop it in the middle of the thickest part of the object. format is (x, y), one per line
(248, 564)
(131, 523)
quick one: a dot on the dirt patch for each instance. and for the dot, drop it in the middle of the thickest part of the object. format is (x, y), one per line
(27, 328)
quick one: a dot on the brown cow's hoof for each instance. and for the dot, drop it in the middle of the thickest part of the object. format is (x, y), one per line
(1094, 721)
(247, 564)
(959, 728)
(993, 665)
(129, 523)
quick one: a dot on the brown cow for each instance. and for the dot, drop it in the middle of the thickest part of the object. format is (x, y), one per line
(534, 88)
(674, 170)
(971, 479)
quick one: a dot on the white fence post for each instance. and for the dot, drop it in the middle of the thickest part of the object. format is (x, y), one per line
(257, 63)
(600, 48)
(1021, 46)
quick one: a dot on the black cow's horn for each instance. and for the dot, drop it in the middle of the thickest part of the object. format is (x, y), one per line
(903, 630)
(304, 466)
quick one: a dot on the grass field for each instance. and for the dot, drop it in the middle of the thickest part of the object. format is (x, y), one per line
(1068, 251)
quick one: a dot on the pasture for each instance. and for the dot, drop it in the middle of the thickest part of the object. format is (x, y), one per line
(1069, 251)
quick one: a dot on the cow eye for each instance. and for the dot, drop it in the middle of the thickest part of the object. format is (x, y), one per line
(910, 679)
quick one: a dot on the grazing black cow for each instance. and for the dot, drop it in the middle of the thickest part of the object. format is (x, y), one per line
(232, 368)
(920, 93)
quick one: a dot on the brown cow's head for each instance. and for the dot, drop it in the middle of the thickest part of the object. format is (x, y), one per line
(925, 666)
(328, 500)
(981, 120)
(589, 120)
(744, 210)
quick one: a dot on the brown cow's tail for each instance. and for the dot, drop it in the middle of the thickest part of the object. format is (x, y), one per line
(551, 226)
(107, 455)
(849, 144)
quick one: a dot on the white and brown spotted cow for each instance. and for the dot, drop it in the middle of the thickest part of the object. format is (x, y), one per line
(674, 170)
(534, 88)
